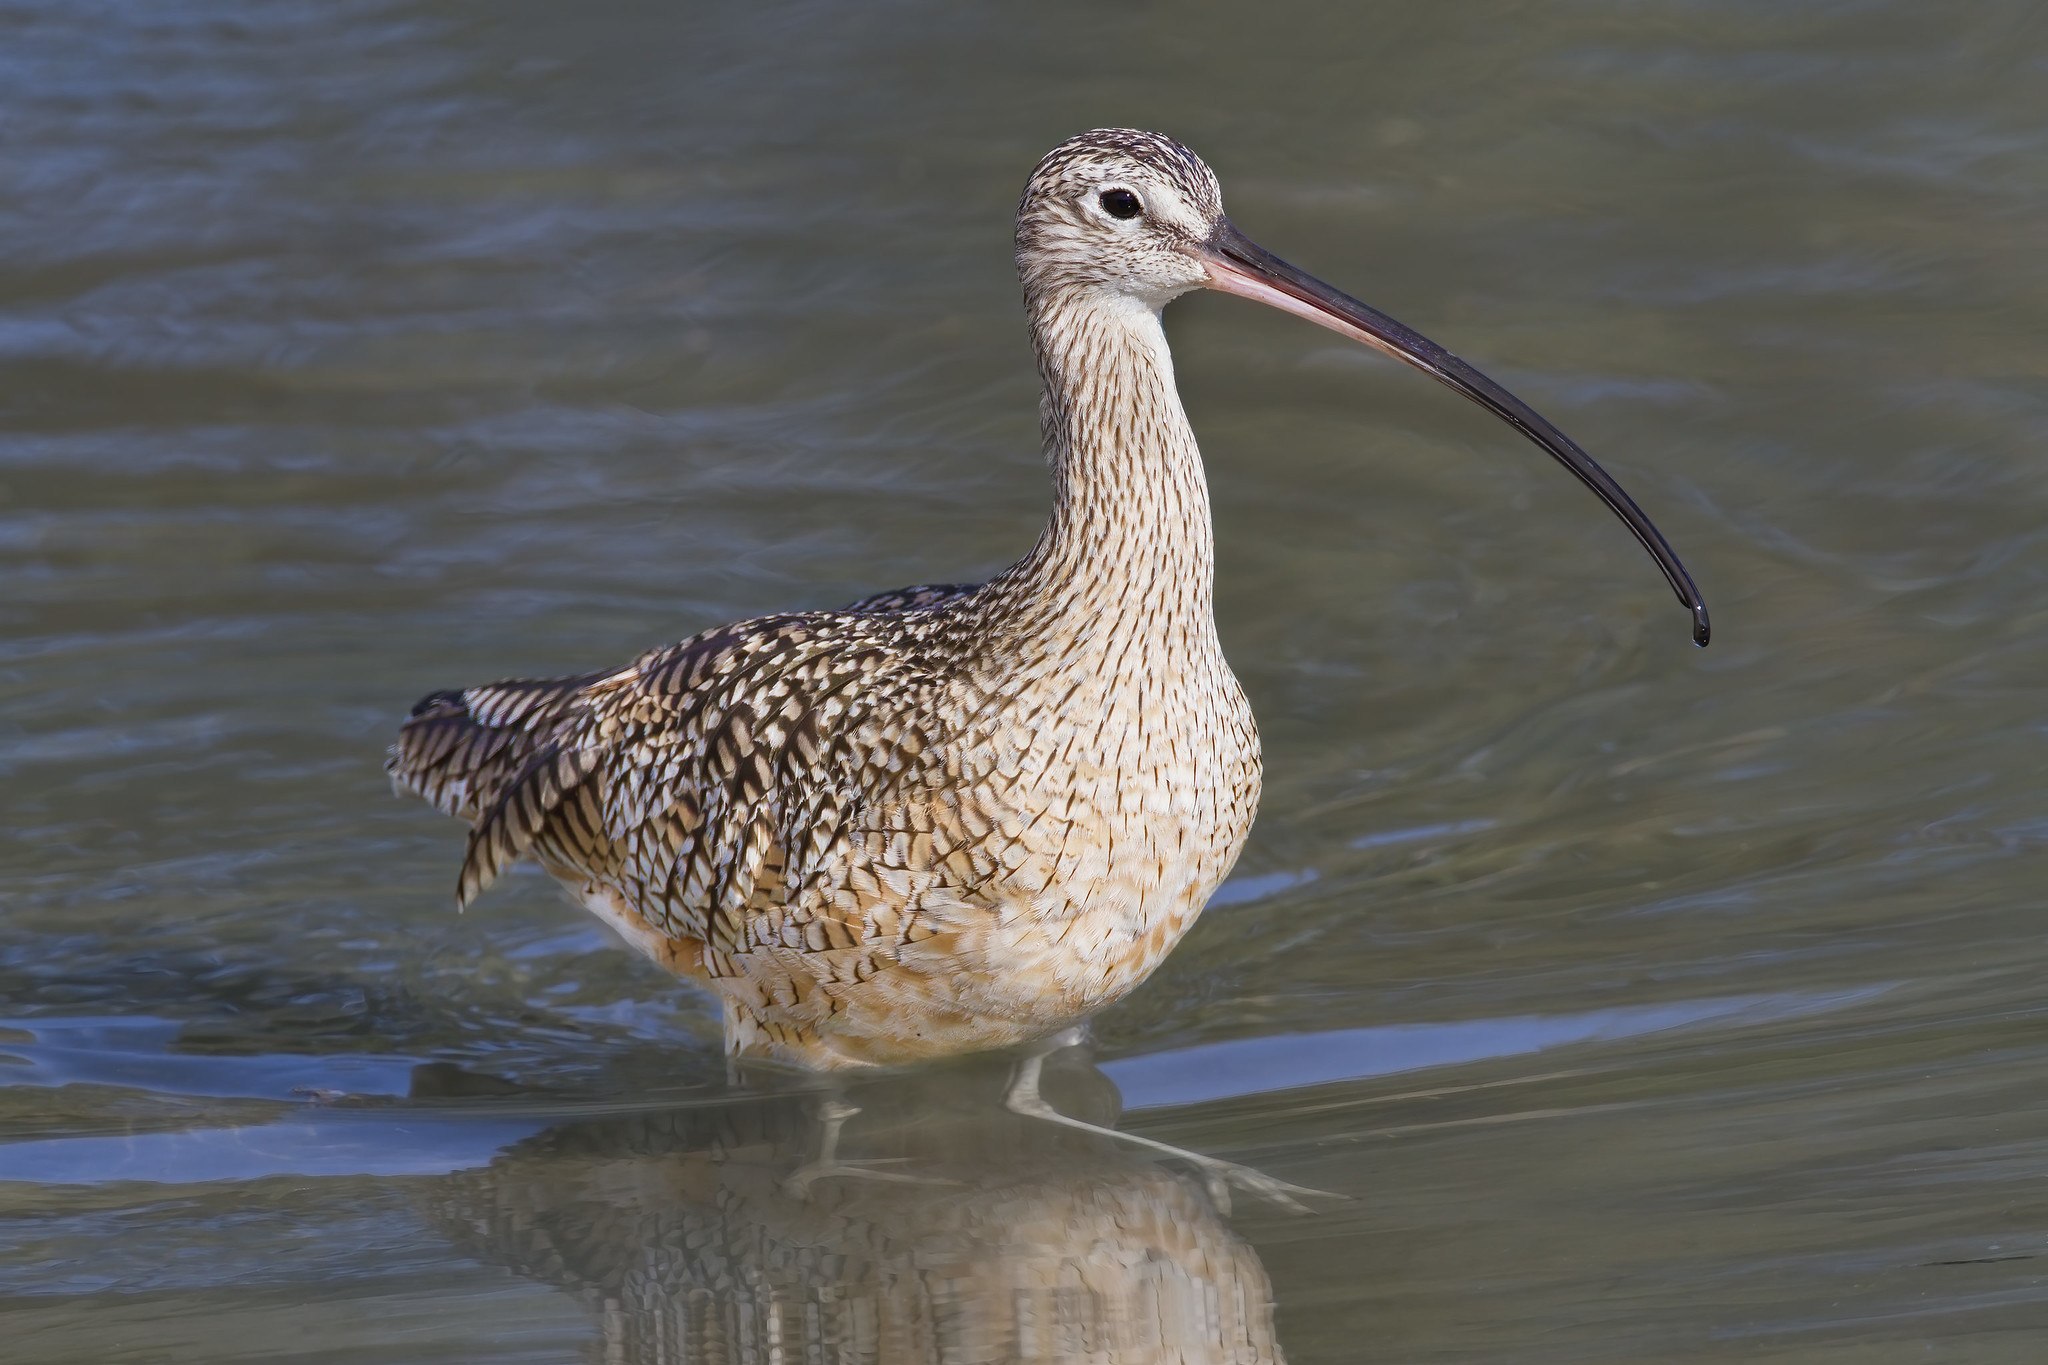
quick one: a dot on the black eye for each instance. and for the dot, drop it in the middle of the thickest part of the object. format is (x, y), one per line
(1120, 204)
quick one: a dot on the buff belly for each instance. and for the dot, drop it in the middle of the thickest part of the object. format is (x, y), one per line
(986, 981)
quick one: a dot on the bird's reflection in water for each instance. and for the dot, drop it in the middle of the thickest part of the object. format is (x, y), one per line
(1016, 1241)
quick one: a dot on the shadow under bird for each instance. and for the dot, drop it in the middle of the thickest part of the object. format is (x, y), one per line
(961, 817)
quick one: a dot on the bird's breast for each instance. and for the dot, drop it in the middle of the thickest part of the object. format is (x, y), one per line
(1118, 815)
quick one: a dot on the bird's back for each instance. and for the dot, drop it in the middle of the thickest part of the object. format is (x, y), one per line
(552, 766)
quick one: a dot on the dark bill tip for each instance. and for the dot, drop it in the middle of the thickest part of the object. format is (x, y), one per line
(1238, 265)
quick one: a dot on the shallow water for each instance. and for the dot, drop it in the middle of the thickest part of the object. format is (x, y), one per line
(1647, 1003)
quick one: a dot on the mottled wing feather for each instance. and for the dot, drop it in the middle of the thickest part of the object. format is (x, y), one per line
(540, 792)
(705, 782)
(911, 599)
(461, 748)
(729, 772)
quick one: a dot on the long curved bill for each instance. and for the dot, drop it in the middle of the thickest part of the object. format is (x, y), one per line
(1238, 265)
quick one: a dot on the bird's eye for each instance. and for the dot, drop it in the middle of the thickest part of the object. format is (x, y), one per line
(1120, 204)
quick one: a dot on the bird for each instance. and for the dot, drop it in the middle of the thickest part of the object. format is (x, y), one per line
(950, 818)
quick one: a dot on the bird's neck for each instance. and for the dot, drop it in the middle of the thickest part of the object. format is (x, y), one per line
(1129, 547)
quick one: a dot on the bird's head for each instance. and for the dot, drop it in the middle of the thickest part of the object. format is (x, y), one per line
(1117, 212)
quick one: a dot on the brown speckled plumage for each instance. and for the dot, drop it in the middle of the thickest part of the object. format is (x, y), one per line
(943, 819)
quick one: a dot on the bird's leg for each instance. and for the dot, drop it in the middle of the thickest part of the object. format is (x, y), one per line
(833, 1113)
(1218, 1175)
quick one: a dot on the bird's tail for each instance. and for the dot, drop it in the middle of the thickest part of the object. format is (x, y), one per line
(492, 755)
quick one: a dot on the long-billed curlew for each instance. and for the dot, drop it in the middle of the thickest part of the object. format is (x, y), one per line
(949, 818)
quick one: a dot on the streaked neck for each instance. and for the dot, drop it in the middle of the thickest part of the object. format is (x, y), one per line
(1129, 540)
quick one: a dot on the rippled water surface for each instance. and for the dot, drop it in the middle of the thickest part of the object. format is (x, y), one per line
(1648, 1004)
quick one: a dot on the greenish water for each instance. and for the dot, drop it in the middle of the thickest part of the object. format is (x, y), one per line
(1650, 1004)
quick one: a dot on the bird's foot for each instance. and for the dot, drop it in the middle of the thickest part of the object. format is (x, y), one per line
(833, 1114)
(798, 1183)
(1218, 1176)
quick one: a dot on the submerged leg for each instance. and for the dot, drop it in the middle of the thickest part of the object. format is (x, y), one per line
(828, 1164)
(1218, 1175)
